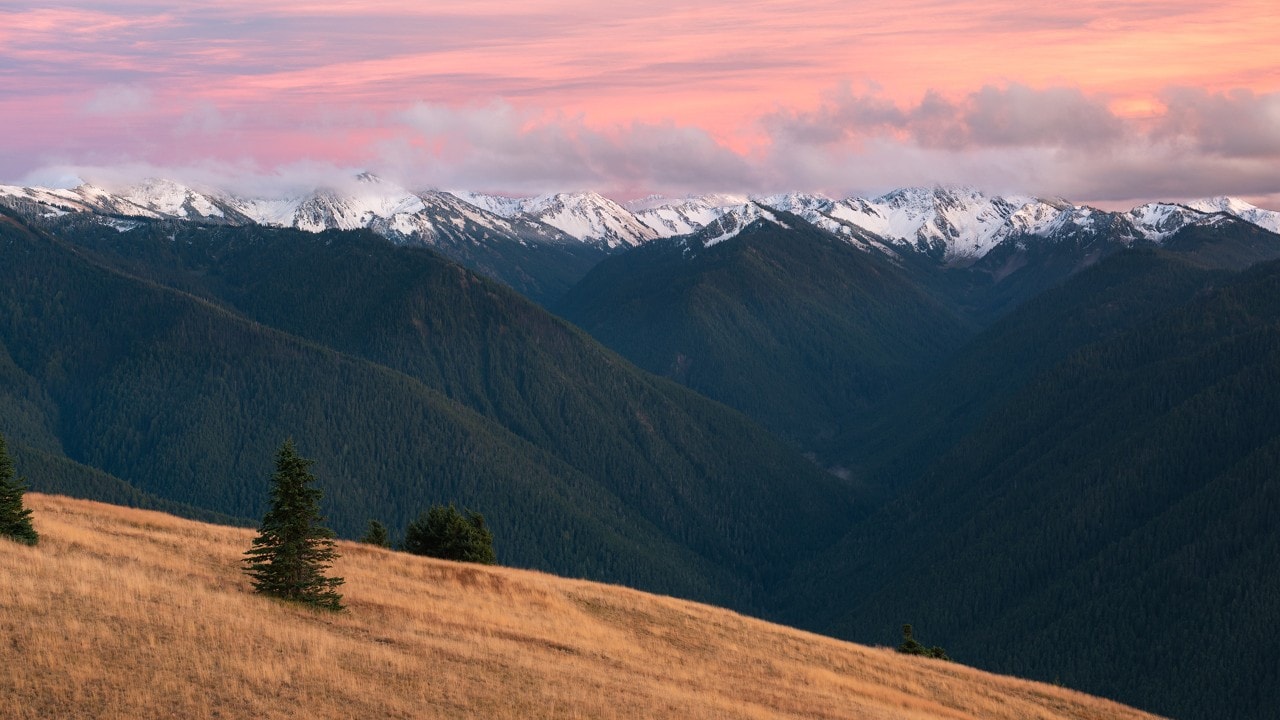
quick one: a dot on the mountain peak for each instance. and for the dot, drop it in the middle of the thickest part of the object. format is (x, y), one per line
(1266, 219)
(591, 217)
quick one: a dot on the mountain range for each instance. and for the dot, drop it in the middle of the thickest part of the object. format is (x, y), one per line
(561, 235)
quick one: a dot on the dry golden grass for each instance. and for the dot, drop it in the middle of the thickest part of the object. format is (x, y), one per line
(122, 613)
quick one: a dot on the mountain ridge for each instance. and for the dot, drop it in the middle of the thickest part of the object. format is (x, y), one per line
(952, 224)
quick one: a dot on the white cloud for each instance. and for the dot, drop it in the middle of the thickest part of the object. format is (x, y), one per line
(498, 147)
(1055, 142)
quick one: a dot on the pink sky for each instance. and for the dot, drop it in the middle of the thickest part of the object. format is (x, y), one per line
(1096, 100)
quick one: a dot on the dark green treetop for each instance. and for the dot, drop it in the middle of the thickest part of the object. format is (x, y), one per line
(15, 519)
(444, 532)
(911, 646)
(376, 535)
(293, 550)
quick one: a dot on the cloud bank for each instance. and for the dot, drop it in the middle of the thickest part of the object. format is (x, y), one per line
(1053, 142)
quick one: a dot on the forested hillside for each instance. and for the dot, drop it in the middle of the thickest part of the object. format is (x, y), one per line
(641, 482)
(1108, 521)
(797, 328)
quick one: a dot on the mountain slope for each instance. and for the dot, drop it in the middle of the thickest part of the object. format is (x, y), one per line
(585, 216)
(156, 618)
(1106, 299)
(533, 257)
(590, 466)
(781, 320)
(1109, 523)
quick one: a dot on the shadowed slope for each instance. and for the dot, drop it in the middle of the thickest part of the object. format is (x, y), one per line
(795, 327)
(410, 380)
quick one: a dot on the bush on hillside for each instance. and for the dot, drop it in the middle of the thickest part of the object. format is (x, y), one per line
(444, 532)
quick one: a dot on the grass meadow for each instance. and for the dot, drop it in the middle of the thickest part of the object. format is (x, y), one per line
(122, 614)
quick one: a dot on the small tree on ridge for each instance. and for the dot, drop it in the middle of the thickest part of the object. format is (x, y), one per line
(293, 550)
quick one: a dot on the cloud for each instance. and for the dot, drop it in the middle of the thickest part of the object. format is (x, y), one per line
(1238, 123)
(1010, 116)
(1021, 116)
(243, 177)
(498, 147)
(1053, 141)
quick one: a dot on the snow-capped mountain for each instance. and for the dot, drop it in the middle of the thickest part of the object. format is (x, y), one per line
(365, 202)
(155, 199)
(445, 217)
(1157, 221)
(1266, 219)
(953, 225)
(669, 217)
(499, 205)
(165, 198)
(733, 220)
(587, 216)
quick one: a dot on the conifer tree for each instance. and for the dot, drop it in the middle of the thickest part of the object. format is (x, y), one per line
(911, 646)
(15, 520)
(376, 535)
(293, 550)
(443, 532)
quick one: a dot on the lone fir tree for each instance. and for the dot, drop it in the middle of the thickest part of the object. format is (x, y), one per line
(15, 519)
(293, 550)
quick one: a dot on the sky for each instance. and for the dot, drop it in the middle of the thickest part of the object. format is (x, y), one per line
(1112, 102)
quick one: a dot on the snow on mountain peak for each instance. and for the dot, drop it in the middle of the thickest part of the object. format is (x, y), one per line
(668, 217)
(500, 205)
(953, 224)
(1157, 221)
(168, 198)
(591, 217)
(734, 220)
(1266, 219)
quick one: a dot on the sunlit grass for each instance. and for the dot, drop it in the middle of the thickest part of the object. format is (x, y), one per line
(122, 613)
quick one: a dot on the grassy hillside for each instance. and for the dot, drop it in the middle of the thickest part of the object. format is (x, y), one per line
(122, 613)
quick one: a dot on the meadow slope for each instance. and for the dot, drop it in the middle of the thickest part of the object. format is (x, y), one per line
(123, 613)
